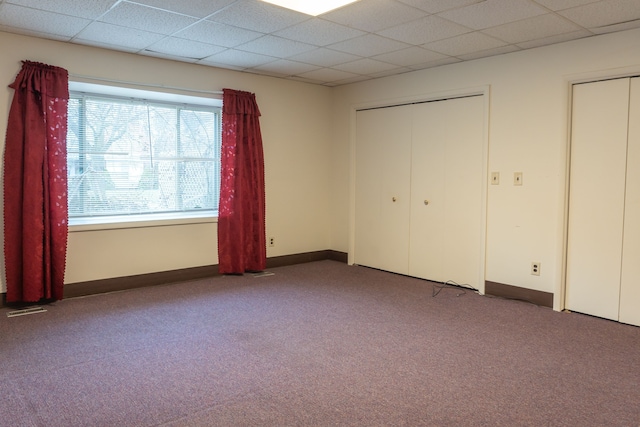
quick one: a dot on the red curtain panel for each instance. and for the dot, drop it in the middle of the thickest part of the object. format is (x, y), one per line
(35, 184)
(241, 217)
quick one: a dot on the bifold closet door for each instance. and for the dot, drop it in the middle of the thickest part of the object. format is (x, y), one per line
(630, 277)
(446, 190)
(597, 197)
(383, 156)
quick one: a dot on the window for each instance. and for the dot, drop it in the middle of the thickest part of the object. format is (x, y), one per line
(141, 156)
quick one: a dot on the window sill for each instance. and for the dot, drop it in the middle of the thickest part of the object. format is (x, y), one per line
(139, 221)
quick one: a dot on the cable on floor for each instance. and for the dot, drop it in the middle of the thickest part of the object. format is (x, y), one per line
(450, 284)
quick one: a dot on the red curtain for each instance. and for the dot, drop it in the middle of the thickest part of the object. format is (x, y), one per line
(35, 184)
(241, 216)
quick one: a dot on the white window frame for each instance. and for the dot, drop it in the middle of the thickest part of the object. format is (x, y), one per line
(142, 220)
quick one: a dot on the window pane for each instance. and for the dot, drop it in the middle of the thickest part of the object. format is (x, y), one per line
(197, 185)
(132, 157)
(197, 133)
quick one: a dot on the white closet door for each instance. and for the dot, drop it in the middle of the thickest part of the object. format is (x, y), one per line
(428, 235)
(596, 197)
(383, 156)
(446, 195)
(630, 280)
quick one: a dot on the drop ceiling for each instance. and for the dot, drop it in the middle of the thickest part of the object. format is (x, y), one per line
(364, 40)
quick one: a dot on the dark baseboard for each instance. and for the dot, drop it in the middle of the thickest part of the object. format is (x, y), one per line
(282, 261)
(541, 298)
(116, 284)
(173, 276)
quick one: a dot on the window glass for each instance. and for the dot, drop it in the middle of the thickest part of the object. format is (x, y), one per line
(129, 156)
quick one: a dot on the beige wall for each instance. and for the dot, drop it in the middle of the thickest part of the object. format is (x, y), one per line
(295, 129)
(529, 111)
(308, 134)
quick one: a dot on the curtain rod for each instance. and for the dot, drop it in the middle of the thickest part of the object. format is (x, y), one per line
(100, 79)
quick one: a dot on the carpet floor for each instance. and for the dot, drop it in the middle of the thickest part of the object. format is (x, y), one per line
(317, 344)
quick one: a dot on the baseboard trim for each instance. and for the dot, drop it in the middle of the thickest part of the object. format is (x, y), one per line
(541, 298)
(116, 284)
(282, 261)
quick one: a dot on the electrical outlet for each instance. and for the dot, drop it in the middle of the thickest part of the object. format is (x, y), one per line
(535, 268)
(272, 241)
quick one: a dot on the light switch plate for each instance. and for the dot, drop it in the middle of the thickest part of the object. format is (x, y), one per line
(495, 178)
(517, 178)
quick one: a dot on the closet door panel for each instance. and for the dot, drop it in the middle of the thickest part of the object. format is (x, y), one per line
(426, 256)
(446, 183)
(463, 183)
(383, 153)
(630, 280)
(596, 197)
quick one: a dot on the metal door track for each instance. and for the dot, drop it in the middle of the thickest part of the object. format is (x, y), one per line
(25, 311)
(262, 274)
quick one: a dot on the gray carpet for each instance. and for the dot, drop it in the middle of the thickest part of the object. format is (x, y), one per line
(317, 344)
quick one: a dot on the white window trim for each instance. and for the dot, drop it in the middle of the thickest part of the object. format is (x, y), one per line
(123, 92)
(142, 220)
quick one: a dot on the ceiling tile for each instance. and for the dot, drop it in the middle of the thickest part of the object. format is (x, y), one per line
(81, 8)
(493, 12)
(195, 8)
(616, 27)
(373, 15)
(32, 33)
(554, 39)
(413, 55)
(465, 44)
(327, 75)
(435, 6)
(166, 56)
(115, 35)
(325, 57)
(369, 45)
(392, 72)
(41, 21)
(445, 61)
(425, 30)
(238, 59)
(285, 67)
(319, 32)
(365, 66)
(184, 48)
(146, 18)
(367, 39)
(218, 34)
(107, 46)
(354, 79)
(563, 4)
(258, 16)
(489, 52)
(276, 46)
(306, 80)
(532, 28)
(604, 13)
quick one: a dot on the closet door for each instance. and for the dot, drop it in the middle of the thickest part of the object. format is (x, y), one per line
(383, 156)
(428, 234)
(446, 190)
(597, 197)
(630, 280)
